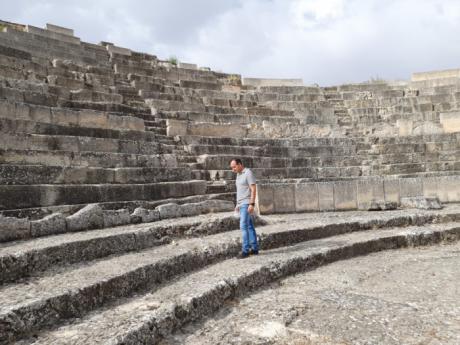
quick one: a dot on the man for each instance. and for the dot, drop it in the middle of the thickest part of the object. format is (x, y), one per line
(245, 201)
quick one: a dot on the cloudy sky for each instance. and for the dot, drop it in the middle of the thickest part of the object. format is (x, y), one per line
(327, 42)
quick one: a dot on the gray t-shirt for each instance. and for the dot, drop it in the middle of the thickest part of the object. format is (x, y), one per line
(243, 181)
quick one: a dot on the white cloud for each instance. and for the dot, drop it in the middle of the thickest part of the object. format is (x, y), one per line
(321, 41)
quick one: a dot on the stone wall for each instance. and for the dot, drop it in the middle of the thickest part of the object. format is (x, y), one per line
(362, 194)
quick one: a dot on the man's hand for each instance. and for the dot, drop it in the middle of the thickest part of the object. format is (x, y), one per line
(251, 209)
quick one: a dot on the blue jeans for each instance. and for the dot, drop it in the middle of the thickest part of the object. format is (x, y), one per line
(248, 230)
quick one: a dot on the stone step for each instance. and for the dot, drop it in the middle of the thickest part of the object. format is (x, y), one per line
(65, 37)
(15, 53)
(229, 118)
(28, 196)
(32, 127)
(221, 162)
(40, 254)
(13, 73)
(179, 300)
(201, 93)
(43, 142)
(277, 97)
(97, 97)
(85, 159)
(38, 213)
(155, 122)
(200, 85)
(164, 105)
(14, 174)
(31, 97)
(48, 50)
(220, 187)
(295, 90)
(160, 96)
(143, 81)
(304, 173)
(269, 151)
(104, 106)
(171, 75)
(156, 130)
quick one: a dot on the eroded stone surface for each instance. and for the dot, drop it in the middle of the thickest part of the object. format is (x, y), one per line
(89, 217)
(12, 228)
(53, 224)
(421, 202)
(395, 297)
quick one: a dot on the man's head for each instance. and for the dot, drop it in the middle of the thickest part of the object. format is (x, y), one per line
(236, 165)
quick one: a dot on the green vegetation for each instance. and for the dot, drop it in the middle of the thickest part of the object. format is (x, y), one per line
(173, 60)
(234, 79)
(2, 26)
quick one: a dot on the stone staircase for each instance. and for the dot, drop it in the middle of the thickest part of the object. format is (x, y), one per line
(135, 285)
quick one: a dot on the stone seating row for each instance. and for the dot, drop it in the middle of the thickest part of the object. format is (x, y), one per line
(172, 283)
(46, 47)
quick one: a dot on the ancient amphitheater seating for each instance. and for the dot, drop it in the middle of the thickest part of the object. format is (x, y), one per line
(74, 130)
(116, 198)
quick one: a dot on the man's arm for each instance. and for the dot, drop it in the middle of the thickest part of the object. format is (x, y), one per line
(252, 201)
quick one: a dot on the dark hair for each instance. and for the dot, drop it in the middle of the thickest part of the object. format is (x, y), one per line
(237, 161)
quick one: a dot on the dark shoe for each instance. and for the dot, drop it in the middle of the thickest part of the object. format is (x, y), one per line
(253, 252)
(242, 255)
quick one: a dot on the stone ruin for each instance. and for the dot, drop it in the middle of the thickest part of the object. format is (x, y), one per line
(136, 150)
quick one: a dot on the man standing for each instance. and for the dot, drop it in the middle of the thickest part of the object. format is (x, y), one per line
(245, 201)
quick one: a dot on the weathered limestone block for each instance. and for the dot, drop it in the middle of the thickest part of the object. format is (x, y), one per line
(89, 217)
(284, 198)
(53, 224)
(217, 130)
(261, 82)
(112, 49)
(92, 119)
(449, 188)
(176, 127)
(52, 34)
(369, 191)
(170, 210)
(191, 209)
(264, 199)
(65, 117)
(433, 75)
(40, 114)
(381, 206)
(450, 121)
(421, 202)
(345, 195)
(410, 187)
(306, 197)
(430, 187)
(326, 196)
(59, 29)
(132, 123)
(116, 217)
(391, 190)
(187, 65)
(405, 127)
(146, 215)
(12, 228)
(428, 128)
(212, 206)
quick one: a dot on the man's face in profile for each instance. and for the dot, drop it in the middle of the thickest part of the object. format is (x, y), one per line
(236, 168)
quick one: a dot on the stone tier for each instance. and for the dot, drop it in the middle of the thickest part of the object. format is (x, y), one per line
(164, 286)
